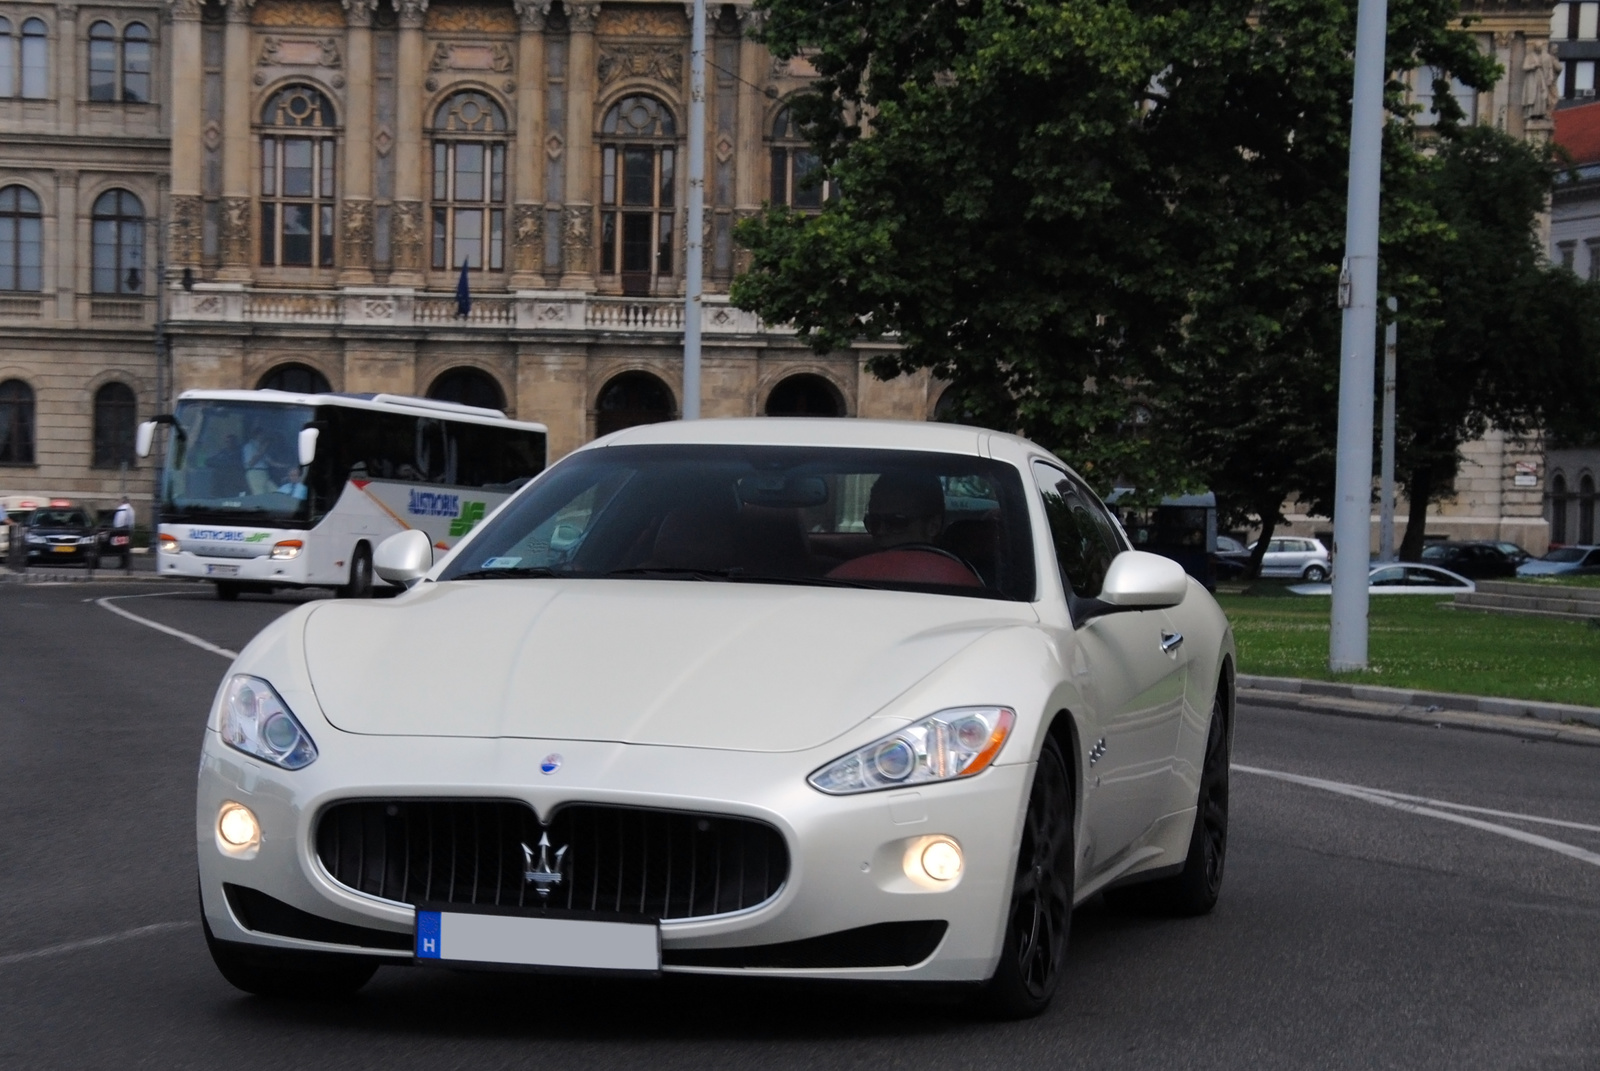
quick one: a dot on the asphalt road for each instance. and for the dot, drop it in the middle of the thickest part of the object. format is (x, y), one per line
(1351, 933)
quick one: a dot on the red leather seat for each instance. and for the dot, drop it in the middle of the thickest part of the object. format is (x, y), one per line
(909, 565)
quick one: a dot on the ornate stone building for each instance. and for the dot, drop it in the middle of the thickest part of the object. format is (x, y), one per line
(334, 167)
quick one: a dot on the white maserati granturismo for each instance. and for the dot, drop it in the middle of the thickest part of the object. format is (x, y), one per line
(831, 698)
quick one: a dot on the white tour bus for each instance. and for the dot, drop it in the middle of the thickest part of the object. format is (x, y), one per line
(265, 489)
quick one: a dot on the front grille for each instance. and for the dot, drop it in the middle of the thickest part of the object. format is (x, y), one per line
(618, 860)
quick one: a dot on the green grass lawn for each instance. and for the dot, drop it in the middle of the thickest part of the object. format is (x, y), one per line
(1419, 641)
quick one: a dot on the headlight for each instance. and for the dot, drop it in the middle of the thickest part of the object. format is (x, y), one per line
(941, 747)
(169, 544)
(285, 549)
(256, 720)
(85, 541)
(35, 538)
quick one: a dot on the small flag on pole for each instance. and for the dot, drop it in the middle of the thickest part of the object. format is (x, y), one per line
(463, 294)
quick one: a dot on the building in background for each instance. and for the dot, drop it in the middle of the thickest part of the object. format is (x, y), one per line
(1574, 471)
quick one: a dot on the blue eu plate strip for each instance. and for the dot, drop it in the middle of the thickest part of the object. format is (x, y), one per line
(427, 935)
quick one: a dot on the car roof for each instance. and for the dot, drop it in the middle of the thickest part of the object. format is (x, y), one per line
(826, 431)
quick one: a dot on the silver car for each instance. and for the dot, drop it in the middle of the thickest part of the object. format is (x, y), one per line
(1297, 556)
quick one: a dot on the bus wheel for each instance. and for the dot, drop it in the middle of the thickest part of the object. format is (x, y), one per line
(360, 586)
(227, 590)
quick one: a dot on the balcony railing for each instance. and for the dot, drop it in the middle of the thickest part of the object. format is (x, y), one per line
(385, 307)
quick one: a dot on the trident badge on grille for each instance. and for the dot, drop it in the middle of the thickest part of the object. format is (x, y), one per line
(544, 875)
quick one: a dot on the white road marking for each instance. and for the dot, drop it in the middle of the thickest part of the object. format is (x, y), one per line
(1415, 805)
(204, 645)
(93, 942)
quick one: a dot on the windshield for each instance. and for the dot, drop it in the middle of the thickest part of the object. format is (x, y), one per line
(60, 518)
(790, 515)
(1565, 554)
(236, 458)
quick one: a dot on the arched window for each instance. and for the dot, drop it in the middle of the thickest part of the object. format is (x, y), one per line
(115, 414)
(295, 378)
(805, 395)
(469, 183)
(1558, 509)
(136, 63)
(797, 179)
(21, 240)
(297, 190)
(118, 243)
(102, 62)
(35, 59)
(631, 399)
(16, 423)
(637, 181)
(1586, 509)
(468, 386)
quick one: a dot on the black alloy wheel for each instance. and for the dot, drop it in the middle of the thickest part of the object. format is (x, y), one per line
(360, 585)
(1040, 915)
(1194, 889)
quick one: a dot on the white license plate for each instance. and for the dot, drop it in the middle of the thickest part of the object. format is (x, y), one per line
(525, 941)
(222, 570)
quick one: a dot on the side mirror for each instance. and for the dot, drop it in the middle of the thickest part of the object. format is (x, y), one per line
(308, 446)
(1138, 580)
(144, 438)
(404, 558)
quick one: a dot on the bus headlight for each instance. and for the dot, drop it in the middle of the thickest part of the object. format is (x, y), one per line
(286, 549)
(169, 544)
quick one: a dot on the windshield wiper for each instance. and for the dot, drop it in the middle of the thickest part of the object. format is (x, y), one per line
(676, 571)
(736, 575)
(507, 574)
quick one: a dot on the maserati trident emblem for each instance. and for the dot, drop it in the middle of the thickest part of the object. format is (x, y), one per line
(544, 876)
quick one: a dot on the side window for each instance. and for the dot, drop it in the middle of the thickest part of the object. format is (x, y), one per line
(1275, 547)
(1084, 536)
(1387, 577)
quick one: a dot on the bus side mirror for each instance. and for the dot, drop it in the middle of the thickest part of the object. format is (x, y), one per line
(308, 446)
(145, 438)
(404, 558)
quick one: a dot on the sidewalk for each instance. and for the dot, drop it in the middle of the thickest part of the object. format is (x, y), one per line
(1518, 717)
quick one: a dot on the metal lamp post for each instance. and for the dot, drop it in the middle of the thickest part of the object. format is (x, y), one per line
(694, 257)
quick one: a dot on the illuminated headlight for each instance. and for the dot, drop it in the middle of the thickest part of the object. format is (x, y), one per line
(288, 548)
(238, 830)
(941, 747)
(169, 544)
(256, 721)
(36, 539)
(87, 541)
(935, 862)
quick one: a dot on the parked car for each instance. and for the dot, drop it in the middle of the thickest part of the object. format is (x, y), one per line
(1564, 561)
(1232, 558)
(1477, 560)
(1298, 556)
(1513, 551)
(1401, 580)
(782, 700)
(60, 534)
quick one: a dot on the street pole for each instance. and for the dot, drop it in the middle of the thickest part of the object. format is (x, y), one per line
(1386, 466)
(693, 263)
(1352, 505)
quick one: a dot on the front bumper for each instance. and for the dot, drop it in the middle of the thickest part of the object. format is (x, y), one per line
(845, 852)
(260, 570)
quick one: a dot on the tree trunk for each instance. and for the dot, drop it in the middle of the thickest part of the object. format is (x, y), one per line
(1419, 488)
(1269, 522)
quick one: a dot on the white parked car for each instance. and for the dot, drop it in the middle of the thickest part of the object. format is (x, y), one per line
(1297, 556)
(844, 699)
(1406, 579)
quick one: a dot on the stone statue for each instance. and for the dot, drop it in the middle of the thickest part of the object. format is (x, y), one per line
(1541, 80)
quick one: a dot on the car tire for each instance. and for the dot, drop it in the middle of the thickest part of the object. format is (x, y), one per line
(1039, 915)
(1315, 574)
(360, 585)
(271, 972)
(1194, 889)
(228, 590)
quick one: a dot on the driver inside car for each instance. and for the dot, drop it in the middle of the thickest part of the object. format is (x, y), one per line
(905, 514)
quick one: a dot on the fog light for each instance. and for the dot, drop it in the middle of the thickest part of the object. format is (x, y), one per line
(169, 544)
(934, 863)
(237, 828)
(288, 548)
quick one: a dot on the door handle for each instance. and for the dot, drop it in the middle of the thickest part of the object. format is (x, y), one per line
(1170, 641)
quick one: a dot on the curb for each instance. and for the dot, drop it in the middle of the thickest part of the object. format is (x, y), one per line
(99, 576)
(1518, 717)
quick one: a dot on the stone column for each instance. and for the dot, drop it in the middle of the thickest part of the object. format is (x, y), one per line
(577, 217)
(410, 226)
(66, 245)
(184, 127)
(749, 168)
(527, 214)
(355, 206)
(237, 106)
(66, 57)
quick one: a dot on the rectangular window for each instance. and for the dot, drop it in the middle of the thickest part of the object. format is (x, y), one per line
(497, 240)
(131, 270)
(469, 172)
(807, 180)
(666, 178)
(297, 168)
(664, 246)
(269, 234)
(1592, 247)
(469, 239)
(30, 270)
(636, 242)
(104, 244)
(608, 243)
(780, 176)
(497, 174)
(1558, 23)
(35, 67)
(136, 71)
(269, 167)
(102, 70)
(297, 235)
(8, 70)
(439, 247)
(325, 151)
(608, 176)
(441, 172)
(325, 245)
(1583, 78)
(638, 175)
(8, 263)
(1588, 21)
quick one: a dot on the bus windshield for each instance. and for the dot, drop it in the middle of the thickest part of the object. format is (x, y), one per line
(230, 458)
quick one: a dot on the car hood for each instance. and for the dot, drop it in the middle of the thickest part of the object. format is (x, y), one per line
(741, 667)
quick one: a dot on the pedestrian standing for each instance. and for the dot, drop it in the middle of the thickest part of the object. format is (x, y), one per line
(122, 525)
